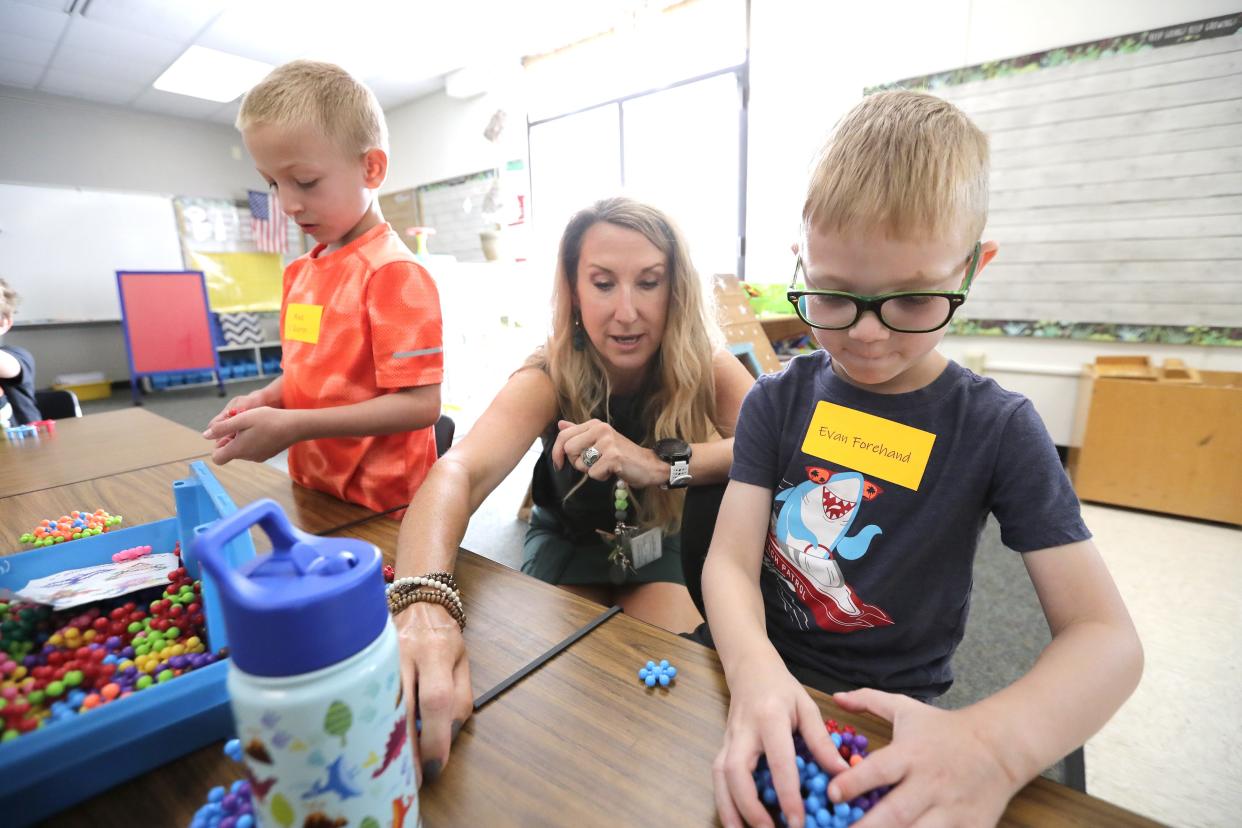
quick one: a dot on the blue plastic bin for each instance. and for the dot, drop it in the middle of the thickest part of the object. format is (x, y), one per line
(66, 762)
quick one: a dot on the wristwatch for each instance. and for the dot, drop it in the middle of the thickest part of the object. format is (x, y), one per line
(676, 453)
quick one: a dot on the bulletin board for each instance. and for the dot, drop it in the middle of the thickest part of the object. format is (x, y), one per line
(166, 322)
(1116, 187)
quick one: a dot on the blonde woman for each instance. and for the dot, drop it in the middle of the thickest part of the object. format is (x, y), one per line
(633, 398)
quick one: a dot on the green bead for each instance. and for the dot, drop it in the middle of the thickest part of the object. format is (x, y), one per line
(59, 539)
(9, 735)
(173, 633)
(73, 678)
(134, 626)
(166, 675)
(35, 697)
(55, 688)
(621, 505)
(144, 681)
(77, 535)
(142, 649)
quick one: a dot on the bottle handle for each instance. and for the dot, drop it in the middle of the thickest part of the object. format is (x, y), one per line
(266, 513)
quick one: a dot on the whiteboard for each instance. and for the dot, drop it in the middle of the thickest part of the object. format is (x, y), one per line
(60, 248)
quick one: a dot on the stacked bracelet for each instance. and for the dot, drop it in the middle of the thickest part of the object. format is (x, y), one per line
(436, 588)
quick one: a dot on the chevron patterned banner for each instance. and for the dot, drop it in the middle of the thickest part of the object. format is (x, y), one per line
(241, 328)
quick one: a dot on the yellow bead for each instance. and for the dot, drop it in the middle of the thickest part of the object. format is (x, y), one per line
(125, 665)
(178, 649)
(20, 672)
(192, 641)
(89, 636)
(56, 640)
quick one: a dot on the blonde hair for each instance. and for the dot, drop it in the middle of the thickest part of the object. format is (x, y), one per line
(679, 397)
(908, 163)
(322, 96)
(8, 300)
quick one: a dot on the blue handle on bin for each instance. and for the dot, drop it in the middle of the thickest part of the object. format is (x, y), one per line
(308, 604)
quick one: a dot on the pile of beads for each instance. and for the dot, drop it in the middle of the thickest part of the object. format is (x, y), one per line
(229, 807)
(819, 810)
(652, 674)
(54, 665)
(71, 527)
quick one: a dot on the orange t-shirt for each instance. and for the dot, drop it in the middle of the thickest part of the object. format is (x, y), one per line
(356, 323)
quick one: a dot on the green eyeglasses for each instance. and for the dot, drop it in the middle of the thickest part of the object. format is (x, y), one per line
(916, 311)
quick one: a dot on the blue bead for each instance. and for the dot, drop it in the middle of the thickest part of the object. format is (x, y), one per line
(836, 739)
(650, 680)
(245, 821)
(800, 762)
(812, 769)
(650, 665)
(664, 664)
(769, 795)
(664, 680)
(642, 672)
(823, 818)
(672, 672)
(841, 809)
(818, 783)
(856, 814)
(215, 794)
(814, 803)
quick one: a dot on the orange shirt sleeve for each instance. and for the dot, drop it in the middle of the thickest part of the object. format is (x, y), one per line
(407, 332)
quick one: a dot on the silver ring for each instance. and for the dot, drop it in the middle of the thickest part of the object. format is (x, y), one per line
(590, 456)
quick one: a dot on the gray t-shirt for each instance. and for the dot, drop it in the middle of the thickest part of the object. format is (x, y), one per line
(866, 577)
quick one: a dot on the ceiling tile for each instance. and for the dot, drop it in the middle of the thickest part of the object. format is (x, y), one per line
(167, 103)
(16, 73)
(25, 49)
(94, 89)
(29, 21)
(90, 63)
(180, 21)
(120, 43)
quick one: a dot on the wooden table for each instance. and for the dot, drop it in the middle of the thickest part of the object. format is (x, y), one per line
(145, 495)
(96, 446)
(578, 742)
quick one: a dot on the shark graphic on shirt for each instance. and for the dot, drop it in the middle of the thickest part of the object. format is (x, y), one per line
(810, 534)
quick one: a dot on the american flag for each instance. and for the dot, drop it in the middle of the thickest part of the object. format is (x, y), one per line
(267, 222)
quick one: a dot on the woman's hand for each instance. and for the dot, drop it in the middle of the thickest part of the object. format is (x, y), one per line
(435, 678)
(618, 456)
(766, 706)
(941, 766)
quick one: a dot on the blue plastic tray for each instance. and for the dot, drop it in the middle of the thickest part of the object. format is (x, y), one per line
(66, 762)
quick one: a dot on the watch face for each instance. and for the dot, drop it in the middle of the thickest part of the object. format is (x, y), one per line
(672, 448)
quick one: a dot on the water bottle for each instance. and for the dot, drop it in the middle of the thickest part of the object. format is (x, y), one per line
(314, 677)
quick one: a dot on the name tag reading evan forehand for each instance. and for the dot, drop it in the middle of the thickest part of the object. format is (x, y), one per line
(869, 444)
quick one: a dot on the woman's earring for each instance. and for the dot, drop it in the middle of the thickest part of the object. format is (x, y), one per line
(579, 338)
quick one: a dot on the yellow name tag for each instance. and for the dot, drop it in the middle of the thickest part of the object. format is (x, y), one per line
(302, 322)
(869, 444)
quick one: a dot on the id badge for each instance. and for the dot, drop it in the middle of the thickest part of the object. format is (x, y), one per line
(647, 547)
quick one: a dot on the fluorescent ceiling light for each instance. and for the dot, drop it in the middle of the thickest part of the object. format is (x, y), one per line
(212, 75)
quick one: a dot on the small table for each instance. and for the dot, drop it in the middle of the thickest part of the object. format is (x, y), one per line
(85, 448)
(578, 742)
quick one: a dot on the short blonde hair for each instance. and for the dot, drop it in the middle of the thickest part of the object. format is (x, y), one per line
(8, 300)
(319, 95)
(907, 163)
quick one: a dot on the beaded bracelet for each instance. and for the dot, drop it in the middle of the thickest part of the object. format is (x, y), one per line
(435, 587)
(398, 604)
(403, 585)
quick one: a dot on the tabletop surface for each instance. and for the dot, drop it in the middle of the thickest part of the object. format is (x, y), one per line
(578, 742)
(145, 495)
(104, 444)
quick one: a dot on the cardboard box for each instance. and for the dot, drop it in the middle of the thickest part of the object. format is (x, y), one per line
(1173, 447)
(743, 333)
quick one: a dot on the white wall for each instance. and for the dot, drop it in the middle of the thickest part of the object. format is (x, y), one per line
(46, 139)
(809, 64)
(437, 137)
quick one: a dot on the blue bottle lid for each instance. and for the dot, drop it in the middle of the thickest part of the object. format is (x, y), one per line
(310, 603)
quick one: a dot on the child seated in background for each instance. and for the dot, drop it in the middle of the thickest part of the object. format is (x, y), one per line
(17, 370)
(862, 476)
(360, 318)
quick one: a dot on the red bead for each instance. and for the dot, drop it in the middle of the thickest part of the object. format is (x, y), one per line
(117, 614)
(100, 624)
(193, 608)
(55, 657)
(176, 610)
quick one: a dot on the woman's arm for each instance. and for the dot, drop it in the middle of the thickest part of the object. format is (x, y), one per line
(434, 669)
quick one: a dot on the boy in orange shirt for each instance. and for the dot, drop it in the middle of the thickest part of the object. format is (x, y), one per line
(360, 322)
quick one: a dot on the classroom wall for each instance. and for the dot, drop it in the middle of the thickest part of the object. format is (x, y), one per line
(809, 64)
(58, 141)
(437, 137)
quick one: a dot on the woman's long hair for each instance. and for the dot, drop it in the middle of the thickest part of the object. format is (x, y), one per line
(679, 393)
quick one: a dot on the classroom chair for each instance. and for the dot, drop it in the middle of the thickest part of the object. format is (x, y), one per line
(444, 434)
(58, 405)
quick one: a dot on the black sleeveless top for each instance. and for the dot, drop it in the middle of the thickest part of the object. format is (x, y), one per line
(591, 506)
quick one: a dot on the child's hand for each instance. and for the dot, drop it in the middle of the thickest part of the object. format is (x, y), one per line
(237, 405)
(943, 770)
(766, 706)
(256, 434)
